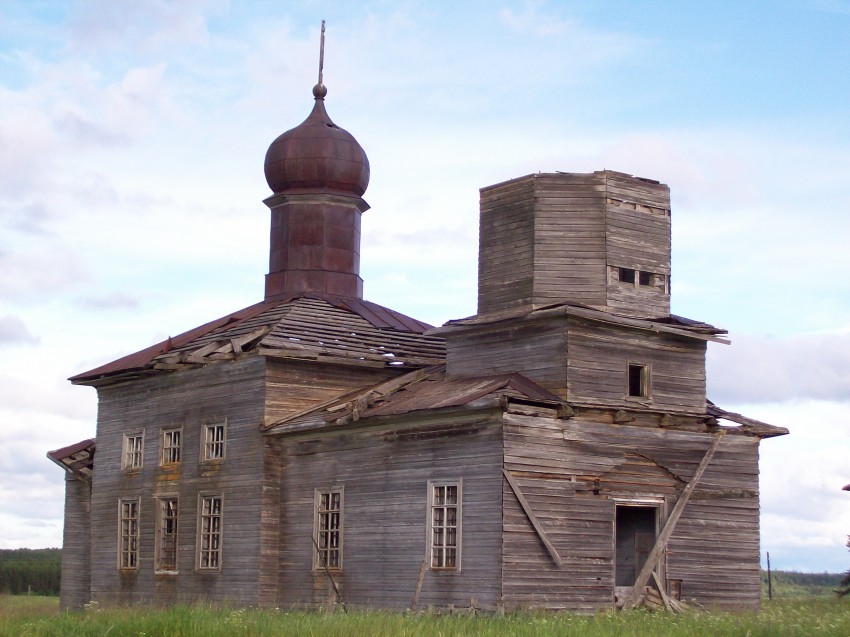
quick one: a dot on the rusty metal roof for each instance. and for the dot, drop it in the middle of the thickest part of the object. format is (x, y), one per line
(305, 327)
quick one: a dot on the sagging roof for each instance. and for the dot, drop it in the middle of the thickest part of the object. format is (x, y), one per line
(750, 425)
(418, 391)
(76, 459)
(429, 389)
(306, 327)
(670, 324)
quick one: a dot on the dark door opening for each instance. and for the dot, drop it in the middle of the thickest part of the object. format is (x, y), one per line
(636, 527)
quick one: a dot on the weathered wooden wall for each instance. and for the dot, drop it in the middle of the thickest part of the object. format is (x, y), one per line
(598, 359)
(536, 349)
(294, 385)
(384, 472)
(76, 541)
(637, 236)
(506, 246)
(574, 472)
(550, 238)
(233, 391)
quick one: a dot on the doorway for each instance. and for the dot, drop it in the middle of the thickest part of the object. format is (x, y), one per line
(636, 528)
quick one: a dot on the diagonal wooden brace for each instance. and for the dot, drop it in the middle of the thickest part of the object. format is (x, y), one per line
(670, 525)
(553, 553)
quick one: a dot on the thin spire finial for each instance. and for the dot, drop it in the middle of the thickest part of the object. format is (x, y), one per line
(322, 53)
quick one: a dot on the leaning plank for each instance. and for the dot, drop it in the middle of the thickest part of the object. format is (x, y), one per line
(670, 525)
(661, 590)
(553, 553)
(419, 582)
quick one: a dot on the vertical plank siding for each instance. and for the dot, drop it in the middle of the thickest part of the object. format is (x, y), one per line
(385, 479)
(573, 472)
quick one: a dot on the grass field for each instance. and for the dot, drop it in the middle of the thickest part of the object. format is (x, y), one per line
(40, 616)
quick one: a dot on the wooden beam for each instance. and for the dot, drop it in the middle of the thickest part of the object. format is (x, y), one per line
(553, 553)
(670, 525)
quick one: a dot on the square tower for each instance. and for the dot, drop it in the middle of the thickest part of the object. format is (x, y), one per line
(600, 239)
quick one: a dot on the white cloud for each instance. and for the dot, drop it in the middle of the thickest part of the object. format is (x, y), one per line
(13, 331)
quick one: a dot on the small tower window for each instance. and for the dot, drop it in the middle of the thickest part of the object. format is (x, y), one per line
(627, 275)
(638, 380)
(645, 278)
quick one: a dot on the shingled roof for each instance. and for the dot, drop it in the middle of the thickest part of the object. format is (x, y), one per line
(306, 327)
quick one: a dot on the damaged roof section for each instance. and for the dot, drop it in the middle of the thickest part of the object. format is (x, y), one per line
(76, 459)
(429, 389)
(307, 327)
(418, 391)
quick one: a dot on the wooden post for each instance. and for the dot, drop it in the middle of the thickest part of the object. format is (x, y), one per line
(670, 525)
(769, 579)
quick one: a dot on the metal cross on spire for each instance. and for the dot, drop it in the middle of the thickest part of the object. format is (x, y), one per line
(322, 52)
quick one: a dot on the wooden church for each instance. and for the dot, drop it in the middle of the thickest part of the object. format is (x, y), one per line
(556, 450)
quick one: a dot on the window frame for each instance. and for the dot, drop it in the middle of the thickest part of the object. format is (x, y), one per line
(163, 461)
(218, 533)
(318, 512)
(207, 445)
(645, 381)
(161, 520)
(429, 543)
(128, 543)
(128, 456)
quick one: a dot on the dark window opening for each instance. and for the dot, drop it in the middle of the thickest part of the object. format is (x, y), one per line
(638, 380)
(627, 275)
(645, 278)
(635, 539)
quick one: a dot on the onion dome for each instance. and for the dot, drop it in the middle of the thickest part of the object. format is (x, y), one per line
(317, 156)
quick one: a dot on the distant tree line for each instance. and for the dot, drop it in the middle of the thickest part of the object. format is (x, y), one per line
(36, 571)
(796, 584)
(844, 584)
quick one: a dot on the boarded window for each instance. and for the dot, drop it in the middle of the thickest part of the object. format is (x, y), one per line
(638, 380)
(444, 524)
(133, 451)
(214, 439)
(166, 537)
(128, 529)
(171, 441)
(209, 533)
(328, 526)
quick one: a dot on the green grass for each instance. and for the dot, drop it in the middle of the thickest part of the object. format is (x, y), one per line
(39, 616)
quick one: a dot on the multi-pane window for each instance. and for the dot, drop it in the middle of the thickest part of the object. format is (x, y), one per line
(329, 529)
(209, 533)
(166, 536)
(171, 441)
(133, 450)
(214, 441)
(444, 524)
(128, 530)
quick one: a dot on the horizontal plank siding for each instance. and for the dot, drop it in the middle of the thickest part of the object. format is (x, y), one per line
(572, 474)
(385, 480)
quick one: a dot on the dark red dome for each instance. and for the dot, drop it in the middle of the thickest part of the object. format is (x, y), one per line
(317, 156)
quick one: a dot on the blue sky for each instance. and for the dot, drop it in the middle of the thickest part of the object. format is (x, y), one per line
(132, 138)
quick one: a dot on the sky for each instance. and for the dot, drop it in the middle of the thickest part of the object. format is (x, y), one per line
(132, 139)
